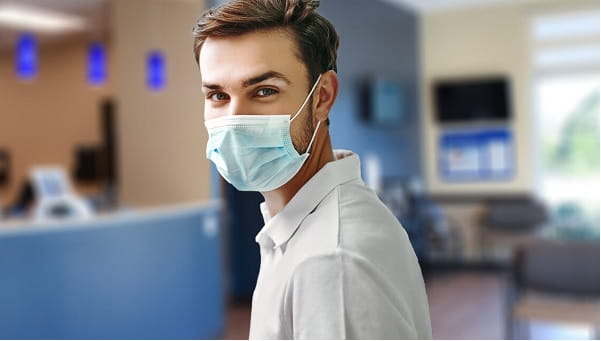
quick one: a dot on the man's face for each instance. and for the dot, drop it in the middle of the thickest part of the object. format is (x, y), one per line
(257, 73)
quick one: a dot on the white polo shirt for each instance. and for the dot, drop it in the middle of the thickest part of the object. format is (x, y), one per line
(336, 264)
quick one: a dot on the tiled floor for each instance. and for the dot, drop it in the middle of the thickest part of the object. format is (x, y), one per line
(463, 305)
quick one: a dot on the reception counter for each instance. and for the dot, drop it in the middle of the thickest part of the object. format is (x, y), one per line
(136, 275)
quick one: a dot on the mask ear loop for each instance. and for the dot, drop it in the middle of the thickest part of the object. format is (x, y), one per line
(301, 109)
(313, 137)
(306, 99)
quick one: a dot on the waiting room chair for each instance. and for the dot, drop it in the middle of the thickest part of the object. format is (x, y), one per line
(553, 281)
(507, 222)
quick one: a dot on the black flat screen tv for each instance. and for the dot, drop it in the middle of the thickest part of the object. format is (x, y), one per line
(472, 99)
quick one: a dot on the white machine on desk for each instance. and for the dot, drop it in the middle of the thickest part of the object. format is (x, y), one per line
(55, 196)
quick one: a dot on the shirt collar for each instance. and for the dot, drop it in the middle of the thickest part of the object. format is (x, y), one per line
(281, 227)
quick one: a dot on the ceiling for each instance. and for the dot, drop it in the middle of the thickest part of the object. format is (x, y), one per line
(426, 6)
(94, 13)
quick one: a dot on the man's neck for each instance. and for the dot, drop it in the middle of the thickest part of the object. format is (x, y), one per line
(319, 157)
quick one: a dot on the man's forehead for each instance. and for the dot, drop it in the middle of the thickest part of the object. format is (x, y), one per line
(249, 54)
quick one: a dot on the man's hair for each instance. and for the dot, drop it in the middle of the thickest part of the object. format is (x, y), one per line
(315, 37)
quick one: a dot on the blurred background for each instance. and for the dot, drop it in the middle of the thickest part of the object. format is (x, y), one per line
(477, 123)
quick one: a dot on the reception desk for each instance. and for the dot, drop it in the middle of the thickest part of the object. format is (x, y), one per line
(135, 275)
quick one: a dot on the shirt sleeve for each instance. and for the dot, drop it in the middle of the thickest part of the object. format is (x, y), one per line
(338, 296)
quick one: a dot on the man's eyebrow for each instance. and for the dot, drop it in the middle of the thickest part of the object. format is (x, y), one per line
(211, 86)
(252, 81)
(263, 77)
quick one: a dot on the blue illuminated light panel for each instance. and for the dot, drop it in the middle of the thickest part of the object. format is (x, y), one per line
(156, 75)
(26, 56)
(97, 70)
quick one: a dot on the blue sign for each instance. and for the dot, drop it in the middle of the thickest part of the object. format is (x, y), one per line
(26, 56)
(156, 75)
(97, 64)
(476, 155)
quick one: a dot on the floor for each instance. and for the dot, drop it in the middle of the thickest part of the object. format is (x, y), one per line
(238, 322)
(466, 305)
(463, 305)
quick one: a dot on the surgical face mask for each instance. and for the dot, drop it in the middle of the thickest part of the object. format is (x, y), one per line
(255, 152)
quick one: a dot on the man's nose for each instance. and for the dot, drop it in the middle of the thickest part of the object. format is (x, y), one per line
(237, 107)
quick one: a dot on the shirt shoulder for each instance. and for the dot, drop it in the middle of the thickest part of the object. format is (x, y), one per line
(341, 295)
(352, 218)
(368, 228)
(355, 269)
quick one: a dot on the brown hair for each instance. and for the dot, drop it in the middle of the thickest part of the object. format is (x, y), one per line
(315, 37)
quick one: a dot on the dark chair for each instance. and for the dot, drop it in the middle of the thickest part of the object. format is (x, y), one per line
(553, 281)
(507, 222)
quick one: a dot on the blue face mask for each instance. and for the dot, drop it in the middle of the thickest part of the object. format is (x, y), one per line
(255, 152)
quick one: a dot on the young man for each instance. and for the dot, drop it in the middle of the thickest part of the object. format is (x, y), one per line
(335, 263)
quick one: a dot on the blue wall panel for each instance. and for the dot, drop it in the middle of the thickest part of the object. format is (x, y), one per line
(140, 278)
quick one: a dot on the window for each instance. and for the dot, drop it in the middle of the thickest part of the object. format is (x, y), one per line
(565, 63)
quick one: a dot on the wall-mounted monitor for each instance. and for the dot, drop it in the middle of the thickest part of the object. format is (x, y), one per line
(383, 101)
(475, 99)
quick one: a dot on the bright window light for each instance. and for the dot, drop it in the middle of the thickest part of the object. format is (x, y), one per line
(566, 25)
(570, 55)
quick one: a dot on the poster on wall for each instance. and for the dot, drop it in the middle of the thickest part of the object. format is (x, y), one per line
(476, 155)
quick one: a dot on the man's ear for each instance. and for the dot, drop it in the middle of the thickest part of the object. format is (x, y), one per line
(325, 95)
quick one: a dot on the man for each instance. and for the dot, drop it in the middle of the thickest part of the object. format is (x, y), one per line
(335, 263)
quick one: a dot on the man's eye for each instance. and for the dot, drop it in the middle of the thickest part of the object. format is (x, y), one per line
(264, 92)
(218, 96)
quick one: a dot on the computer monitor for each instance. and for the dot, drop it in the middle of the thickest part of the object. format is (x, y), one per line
(50, 182)
(55, 198)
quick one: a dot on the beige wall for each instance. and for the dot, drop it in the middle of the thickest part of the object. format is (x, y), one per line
(471, 43)
(42, 121)
(161, 136)
(484, 41)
